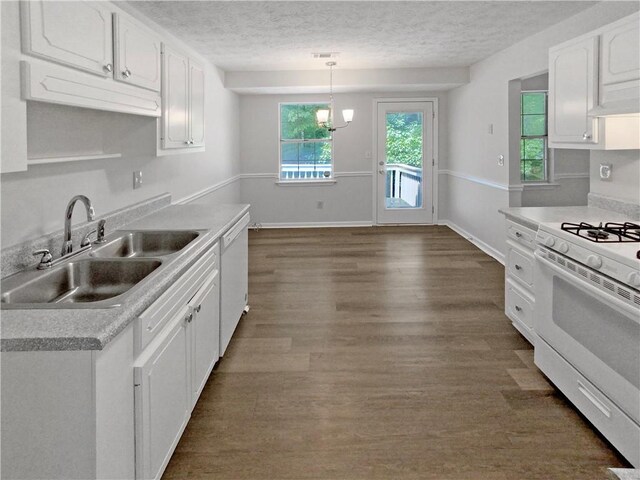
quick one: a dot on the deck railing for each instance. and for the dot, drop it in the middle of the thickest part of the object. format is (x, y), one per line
(404, 183)
(301, 171)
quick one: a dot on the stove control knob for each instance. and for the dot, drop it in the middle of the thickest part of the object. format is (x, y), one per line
(550, 241)
(563, 247)
(594, 261)
(634, 279)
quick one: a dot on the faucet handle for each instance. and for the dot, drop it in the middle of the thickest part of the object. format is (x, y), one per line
(46, 260)
(85, 242)
(100, 236)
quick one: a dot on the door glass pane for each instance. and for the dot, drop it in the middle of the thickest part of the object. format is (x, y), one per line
(404, 147)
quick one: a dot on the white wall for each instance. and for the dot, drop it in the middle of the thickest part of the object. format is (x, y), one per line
(33, 202)
(624, 183)
(349, 201)
(473, 151)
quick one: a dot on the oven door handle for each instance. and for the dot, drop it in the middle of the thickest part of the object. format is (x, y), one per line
(605, 297)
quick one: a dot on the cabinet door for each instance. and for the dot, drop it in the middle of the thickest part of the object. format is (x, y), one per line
(72, 33)
(573, 73)
(621, 54)
(137, 54)
(162, 397)
(196, 104)
(205, 332)
(175, 99)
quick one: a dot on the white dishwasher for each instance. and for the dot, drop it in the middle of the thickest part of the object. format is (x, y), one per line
(234, 282)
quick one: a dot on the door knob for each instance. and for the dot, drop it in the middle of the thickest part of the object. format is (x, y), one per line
(381, 172)
(381, 162)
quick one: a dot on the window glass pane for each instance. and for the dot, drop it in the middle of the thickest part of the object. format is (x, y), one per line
(533, 125)
(533, 103)
(305, 160)
(532, 171)
(404, 138)
(298, 121)
(533, 148)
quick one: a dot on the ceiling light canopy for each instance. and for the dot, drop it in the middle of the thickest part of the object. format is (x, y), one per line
(324, 116)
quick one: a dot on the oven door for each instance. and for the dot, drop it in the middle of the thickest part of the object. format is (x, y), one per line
(588, 319)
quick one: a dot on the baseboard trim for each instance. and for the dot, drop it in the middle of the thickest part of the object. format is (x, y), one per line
(486, 248)
(207, 191)
(315, 224)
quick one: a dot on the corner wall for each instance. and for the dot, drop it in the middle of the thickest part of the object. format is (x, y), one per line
(347, 202)
(473, 151)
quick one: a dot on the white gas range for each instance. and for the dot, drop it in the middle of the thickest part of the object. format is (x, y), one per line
(587, 318)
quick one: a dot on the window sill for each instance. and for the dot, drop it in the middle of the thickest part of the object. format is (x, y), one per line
(297, 183)
(540, 186)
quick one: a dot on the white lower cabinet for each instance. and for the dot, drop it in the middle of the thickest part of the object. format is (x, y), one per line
(519, 299)
(175, 364)
(162, 398)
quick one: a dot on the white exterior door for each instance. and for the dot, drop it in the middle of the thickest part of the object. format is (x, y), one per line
(175, 99)
(137, 54)
(196, 104)
(77, 34)
(404, 162)
(573, 91)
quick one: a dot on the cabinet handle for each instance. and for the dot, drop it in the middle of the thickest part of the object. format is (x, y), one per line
(518, 309)
(126, 73)
(198, 308)
(586, 136)
(108, 67)
(518, 267)
(518, 234)
(189, 318)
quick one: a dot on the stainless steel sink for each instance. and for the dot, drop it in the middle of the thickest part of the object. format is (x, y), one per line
(145, 244)
(82, 283)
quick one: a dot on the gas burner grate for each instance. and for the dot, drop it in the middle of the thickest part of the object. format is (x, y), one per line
(610, 232)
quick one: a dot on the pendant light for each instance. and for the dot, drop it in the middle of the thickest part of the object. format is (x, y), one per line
(324, 116)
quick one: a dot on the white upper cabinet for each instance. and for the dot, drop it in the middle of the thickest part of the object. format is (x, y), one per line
(137, 54)
(175, 99)
(196, 104)
(594, 89)
(183, 85)
(78, 34)
(573, 91)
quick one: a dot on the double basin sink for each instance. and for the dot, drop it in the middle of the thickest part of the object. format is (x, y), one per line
(102, 277)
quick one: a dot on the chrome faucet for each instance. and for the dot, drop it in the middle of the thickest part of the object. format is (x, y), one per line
(67, 245)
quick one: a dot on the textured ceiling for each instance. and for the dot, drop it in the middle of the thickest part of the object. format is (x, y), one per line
(281, 35)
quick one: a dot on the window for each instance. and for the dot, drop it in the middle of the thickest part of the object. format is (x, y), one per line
(533, 137)
(305, 148)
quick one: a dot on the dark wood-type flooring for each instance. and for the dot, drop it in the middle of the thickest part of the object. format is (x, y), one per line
(381, 353)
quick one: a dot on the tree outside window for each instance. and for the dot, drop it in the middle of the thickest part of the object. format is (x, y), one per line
(533, 137)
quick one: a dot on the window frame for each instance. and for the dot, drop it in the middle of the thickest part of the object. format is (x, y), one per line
(545, 138)
(282, 141)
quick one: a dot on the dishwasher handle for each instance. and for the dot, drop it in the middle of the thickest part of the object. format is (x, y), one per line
(235, 231)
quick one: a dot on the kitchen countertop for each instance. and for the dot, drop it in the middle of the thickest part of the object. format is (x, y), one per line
(92, 329)
(532, 217)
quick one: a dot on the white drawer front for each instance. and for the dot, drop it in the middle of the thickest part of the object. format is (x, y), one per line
(613, 423)
(519, 305)
(521, 266)
(522, 235)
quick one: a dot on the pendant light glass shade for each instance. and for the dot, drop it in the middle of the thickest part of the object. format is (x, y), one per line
(322, 116)
(347, 115)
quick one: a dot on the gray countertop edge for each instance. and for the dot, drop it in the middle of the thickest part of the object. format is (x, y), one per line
(624, 473)
(109, 322)
(533, 225)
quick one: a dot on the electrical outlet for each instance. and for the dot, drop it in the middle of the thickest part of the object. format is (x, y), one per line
(137, 179)
(605, 171)
(490, 129)
(320, 205)
(501, 160)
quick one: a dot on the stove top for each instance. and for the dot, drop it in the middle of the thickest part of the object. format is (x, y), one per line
(610, 232)
(612, 248)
